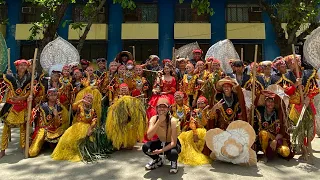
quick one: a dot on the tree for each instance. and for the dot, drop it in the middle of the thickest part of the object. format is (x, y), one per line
(295, 13)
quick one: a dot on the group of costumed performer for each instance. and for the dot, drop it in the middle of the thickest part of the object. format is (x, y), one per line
(305, 132)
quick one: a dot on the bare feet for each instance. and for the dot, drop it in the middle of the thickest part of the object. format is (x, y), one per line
(2, 153)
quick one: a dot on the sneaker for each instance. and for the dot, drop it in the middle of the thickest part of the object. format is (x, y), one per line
(174, 167)
(154, 164)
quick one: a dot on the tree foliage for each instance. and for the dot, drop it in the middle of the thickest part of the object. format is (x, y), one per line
(295, 13)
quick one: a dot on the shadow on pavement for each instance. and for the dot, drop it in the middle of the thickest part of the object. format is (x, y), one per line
(163, 173)
(228, 168)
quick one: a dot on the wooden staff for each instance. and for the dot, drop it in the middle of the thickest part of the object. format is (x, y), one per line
(26, 152)
(254, 72)
(8, 71)
(9, 68)
(300, 87)
(134, 53)
(298, 71)
(241, 54)
(150, 71)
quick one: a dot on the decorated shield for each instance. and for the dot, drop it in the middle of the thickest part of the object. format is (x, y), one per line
(311, 48)
(234, 144)
(3, 54)
(224, 51)
(58, 51)
(186, 50)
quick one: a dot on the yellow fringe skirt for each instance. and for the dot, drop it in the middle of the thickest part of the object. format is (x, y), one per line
(67, 148)
(126, 122)
(191, 152)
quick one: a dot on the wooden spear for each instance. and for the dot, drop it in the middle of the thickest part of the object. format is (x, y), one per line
(300, 87)
(9, 68)
(134, 53)
(241, 54)
(9, 71)
(254, 72)
(26, 152)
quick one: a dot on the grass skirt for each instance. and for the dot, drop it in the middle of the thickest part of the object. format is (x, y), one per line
(68, 145)
(126, 122)
(95, 147)
(191, 152)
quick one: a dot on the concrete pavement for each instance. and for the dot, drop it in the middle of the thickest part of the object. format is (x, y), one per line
(129, 164)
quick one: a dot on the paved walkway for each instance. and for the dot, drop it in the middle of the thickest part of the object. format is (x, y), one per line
(130, 165)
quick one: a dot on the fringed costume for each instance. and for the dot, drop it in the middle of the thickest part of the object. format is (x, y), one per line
(68, 145)
(126, 122)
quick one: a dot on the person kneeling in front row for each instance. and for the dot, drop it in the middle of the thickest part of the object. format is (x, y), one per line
(167, 129)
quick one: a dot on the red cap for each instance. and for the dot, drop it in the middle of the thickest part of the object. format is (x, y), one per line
(76, 70)
(166, 61)
(204, 99)
(84, 62)
(197, 51)
(178, 93)
(129, 62)
(123, 85)
(18, 62)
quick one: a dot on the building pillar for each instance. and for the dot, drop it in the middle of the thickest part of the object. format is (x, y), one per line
(14, 11)
(270, 48)
(166, 19)
(114, 30)
(218, 21)
(63, 31)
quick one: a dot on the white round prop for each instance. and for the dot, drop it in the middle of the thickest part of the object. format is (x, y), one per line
(58, 51)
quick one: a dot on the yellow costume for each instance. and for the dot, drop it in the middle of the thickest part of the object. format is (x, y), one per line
(14, 112)
(191, 151)
(188, 84)
(126, 122)
(65, 91)
(96, 104)
(67, 148)
(49, 129)
(181, 113)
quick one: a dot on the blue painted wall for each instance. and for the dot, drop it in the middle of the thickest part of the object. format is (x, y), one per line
(114, 30)
(14, 10)
(166, 18)
(64, 31)
(218, 21)
(270, 48)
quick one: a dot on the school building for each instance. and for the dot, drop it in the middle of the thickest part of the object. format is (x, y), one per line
(154, 27)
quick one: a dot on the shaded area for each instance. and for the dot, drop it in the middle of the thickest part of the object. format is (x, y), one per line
(129, 164)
